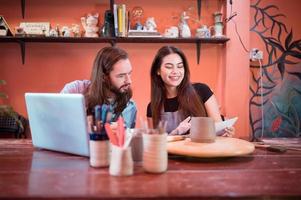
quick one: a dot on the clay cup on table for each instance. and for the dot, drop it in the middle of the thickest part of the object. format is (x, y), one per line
(202, 130)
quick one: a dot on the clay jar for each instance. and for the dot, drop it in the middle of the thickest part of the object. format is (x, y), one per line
(202, 130)
(155, 152)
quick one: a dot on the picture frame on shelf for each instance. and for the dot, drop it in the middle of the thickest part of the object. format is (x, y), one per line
(4, 27)
(35, 28)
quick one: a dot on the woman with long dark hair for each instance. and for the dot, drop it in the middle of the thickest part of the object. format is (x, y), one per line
(174, 98)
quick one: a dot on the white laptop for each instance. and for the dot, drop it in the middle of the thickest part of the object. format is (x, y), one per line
(58, 122)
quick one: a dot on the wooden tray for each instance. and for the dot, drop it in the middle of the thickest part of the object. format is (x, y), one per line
(222, 147)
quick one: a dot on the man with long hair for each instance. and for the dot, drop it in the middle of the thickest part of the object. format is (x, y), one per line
(110, 83)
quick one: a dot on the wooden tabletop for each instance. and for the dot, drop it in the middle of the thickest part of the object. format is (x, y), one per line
(28, 173)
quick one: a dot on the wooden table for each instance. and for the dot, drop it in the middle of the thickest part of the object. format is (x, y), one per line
(28, 173)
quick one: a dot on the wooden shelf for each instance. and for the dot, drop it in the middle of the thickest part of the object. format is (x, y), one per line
(112, 40)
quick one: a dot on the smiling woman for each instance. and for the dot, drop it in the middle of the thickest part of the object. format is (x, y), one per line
(174, 98)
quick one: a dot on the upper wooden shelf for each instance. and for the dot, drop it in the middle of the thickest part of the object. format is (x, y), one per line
(112, 40)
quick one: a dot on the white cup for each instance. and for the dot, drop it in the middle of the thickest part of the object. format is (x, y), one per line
(203, 32)
(121, 163)
(155, 152)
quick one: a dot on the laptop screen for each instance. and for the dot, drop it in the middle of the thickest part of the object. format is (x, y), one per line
(58, 122)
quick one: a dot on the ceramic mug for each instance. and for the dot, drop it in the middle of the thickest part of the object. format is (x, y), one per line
(99, 153)
(137, 144)
(203, 32)
(121, 163)
(155, 152)
(202, 130)
(172, 32)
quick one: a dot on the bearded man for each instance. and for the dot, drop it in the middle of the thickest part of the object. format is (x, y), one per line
(110, 84)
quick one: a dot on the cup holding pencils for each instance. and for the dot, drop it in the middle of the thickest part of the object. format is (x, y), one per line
(99, 141)
(121, 163)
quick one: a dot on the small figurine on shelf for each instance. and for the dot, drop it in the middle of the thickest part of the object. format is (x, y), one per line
(150, 24)
(171, 32)
(138, 26)
(137, 13)
(66, 32)
(183, 26)
(20, 31)
(75, 30)
(53, 33)
(89, 23)
(57, 28)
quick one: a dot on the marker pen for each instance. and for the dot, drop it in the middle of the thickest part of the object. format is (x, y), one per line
(97, 112)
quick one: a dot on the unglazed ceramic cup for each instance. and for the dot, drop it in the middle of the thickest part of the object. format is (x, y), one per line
(155, 152)
(202, 130)
(99, 153)
(121, 163)
(137, 144)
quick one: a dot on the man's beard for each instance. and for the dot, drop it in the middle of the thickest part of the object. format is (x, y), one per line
(121, 90)
(121, 97)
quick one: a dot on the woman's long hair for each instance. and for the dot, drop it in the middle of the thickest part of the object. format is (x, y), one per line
(100, 87)
(190, 103)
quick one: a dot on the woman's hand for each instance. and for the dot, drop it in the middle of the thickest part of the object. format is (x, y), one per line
(229, 132)
(183, 127)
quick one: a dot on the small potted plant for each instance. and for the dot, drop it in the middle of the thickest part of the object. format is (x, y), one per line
(10, 120)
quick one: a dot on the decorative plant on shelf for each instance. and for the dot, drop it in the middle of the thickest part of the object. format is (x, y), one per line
(2, 95)
(9, 117)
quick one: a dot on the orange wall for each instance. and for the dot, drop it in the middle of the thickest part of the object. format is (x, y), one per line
(235, 85)
(49, 66)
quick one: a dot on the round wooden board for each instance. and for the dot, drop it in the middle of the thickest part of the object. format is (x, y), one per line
(222, 147)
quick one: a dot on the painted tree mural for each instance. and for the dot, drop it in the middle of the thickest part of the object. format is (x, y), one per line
(280, 78)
